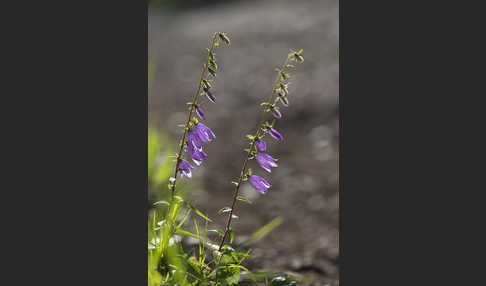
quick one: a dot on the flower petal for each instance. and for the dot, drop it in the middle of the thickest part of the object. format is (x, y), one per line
(262, 146)
(259, 184)
(274, 133)
(277, 114)
(200, 113)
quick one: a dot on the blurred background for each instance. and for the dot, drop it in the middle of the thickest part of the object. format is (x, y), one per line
(304, 188)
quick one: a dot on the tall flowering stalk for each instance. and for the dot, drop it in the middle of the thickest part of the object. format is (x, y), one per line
(196, 134)
(258, 147)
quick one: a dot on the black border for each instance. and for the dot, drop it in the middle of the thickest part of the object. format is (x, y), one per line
(78, 147)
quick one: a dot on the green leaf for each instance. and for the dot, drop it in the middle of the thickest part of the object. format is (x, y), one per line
(224, 210)
(282, 281)
(232, 235)
(186, 233)
(198, 212)
(184, 218)
(229, 274)
(219, 232)
(263, 231)
(162, 202)
(243, 199)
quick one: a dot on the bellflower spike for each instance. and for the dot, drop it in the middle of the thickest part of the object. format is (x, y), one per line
(266, 161)
(200, 113)
(210, 96)
(274, 133)
(204, 133)
(185, 169)
(259, 184)
(262, 146)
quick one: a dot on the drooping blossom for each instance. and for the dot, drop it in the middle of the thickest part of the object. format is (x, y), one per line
(210, 96)
(266, 161)
(262, 146)
(194, 139)
(276, 113)
(274, 133)
(197, 155)
(194, 147)
(204, 133)
(185, 169)
(200, 113)
(259, 184)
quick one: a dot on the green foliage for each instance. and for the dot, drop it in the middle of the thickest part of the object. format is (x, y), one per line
(161, 159)
(172, 217)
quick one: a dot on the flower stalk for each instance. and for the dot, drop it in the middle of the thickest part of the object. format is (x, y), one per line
(279, 89)
(203, 84)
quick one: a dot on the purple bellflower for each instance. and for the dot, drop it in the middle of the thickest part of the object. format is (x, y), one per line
(185, 169)
(266, 161)
(197, 155)
(262, 146)
(204, 133)
(194, 147)
(194, 140)
(274, 133)
(200, 113)
(259, 184)
(276, 113)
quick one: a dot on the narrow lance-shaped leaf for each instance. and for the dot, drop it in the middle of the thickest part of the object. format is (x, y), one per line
(219, 232)
(244, 199)
(232, 235)
(198, 212)
(224, 210)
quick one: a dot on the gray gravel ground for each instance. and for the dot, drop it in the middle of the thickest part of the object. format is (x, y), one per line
(305, 185)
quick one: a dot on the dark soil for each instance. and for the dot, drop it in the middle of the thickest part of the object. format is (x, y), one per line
(305, 185)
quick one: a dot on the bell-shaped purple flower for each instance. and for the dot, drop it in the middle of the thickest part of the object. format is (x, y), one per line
(197, 154)
(185, 169)
(194, 143)
(259, 184)
(210, 96)
(276, 113)
(266, 161)
(262, 146)
(274, 133)
(204, 133)
(200, 113)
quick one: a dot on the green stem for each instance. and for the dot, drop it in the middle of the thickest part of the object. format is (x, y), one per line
(245, 164)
